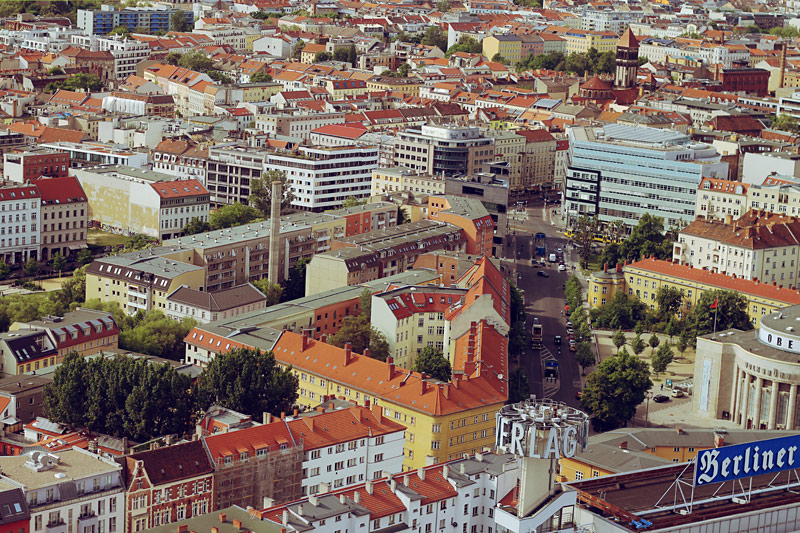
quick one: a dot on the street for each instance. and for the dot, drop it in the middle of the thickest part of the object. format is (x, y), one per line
(544, 298)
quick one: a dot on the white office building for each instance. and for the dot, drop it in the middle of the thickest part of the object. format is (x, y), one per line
(621, 172)
(127, 52)
(20, 207)
(323, 177)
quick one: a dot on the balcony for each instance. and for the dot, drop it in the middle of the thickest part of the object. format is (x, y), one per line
(87, 521)
(56, 527)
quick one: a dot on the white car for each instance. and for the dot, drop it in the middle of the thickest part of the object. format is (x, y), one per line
(677, 393)
(562, 267)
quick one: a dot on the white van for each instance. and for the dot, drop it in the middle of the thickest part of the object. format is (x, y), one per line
(553, 258)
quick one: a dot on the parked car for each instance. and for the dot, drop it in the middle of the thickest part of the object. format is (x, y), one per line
(677, 393)
(569, 323)
(661, 398)
(562, 267)
(543, 274)
(573, 347)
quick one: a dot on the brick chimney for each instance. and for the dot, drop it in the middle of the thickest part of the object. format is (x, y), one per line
(348, 353)
(390, 364)
(446, 391)
(304, 346)
(183, 528)
(323, 338)
(424, 384)
(605, 267)
(237, 524)
(623, 445)
(619, 267)
(366, 352)
(222, 518)
(377, 412)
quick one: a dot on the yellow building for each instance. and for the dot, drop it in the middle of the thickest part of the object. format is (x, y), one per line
(404, 86)
(259, 91)
(580, 41)
(342, 88)
(310, 51)
(138, 282)
(508, 46)
(642, 279)
(402, 179)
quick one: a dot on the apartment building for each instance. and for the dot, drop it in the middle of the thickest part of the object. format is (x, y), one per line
(620, 172)
(467, 213)
(285, 459)
(461, 495)
(757, 246)
(206, 307)
(90, 154)
(580, 41)
(17, 516)
(509, 47)
(128, 200)
(187, 87)
(443, 150)
(26, 351)
(84, 331)
(128, 53)
(151, 105)
(776, 195)
(141, 280)
(642, 279)
(182, 158)
(721, 199)
(167, 485)
(22, 402)
(64, 216)
(386, 181)
(23, 165)
(20, 210)
(538, 159)
(323, 177)
(443, 420)
(296, 123)
(369, 257)
(155, 19)
(74, 490)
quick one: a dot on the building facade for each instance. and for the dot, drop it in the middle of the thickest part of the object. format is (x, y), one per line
(65, 216)
(721, 199)
(20, 213)
(22, 166)
(443, 150)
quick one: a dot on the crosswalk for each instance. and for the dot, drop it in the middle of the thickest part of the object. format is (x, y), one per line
(550, 386)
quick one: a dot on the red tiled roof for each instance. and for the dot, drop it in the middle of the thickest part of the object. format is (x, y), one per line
(350, 131)
(179, 188)
(60, 190)
(719, 281)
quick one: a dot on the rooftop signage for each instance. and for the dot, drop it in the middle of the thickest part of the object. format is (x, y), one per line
(746, 460)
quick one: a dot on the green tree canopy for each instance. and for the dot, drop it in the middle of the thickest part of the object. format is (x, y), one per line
(618, 339)
(31, 268)
(353, 201)
(120, 396)
(622, 312)
(661, 359)
(177, 21)
(297, 49)
(637, 345)
(653, 342)
(220, 76)
(518, 386)
(584, 230)
(195, 226)
(260, 77)
(272, 291)
(5, 270)
(84, 257)
(197, 61)
(785, 122)
(731, 312)
(432, 362)
(467, 45)
(614, 389)
(346, 54)
(516, 335)
(261, 191)
(172, 58)
(359, 332)
(234, 214)
(669, 300)
(248, 381)
(584, 356)
(434, 36)
(294, 286)
(320, 57)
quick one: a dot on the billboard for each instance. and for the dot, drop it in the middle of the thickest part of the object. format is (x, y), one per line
(746, 460)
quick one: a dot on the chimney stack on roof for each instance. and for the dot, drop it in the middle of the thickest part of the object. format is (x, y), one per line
(390, 364)
(348, 353)
(305, 343)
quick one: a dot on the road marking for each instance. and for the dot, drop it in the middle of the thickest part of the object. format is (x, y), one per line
(549, 388)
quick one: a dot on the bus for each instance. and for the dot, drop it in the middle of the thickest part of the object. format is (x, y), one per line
(536, 334)
(598, 237)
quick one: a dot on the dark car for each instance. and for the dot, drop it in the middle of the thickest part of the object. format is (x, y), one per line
(661, 398)
(543, 274)
(557, 339)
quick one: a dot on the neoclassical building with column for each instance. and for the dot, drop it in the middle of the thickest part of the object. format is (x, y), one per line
(751, 377)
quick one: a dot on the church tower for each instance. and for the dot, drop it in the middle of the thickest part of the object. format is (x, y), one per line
(627, 60)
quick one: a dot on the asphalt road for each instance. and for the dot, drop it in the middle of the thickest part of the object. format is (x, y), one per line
(544, 299)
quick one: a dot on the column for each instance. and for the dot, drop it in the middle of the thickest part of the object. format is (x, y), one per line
(792, 413)
(745, 398)
(737, 376)
(773, 405)
(757, 409)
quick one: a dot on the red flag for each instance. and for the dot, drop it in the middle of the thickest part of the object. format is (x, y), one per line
(714, 305)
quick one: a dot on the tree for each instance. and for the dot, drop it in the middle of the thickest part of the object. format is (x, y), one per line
(294, 286)
(615, 231)
(583, 232)
(661, 359)
(272, 291)
(669, 300)
(346, 54)
(195, 226)
(518, 387)
(637, 345)
(654, 341)
(622, 312)
(499, 59)
(59, 262)
(683, 342)
(465, 44)
(731, 312)
(222, 77)
(434, 36)
(84, 257)
(248, 381)
(516, 335)
(297, 49)
(120, 30)
(584, 356)
(647, 238)
(55, 71)
(639, 328)
(172, 58)
(365, 303)
(614, 389)
(156, 334)
(430, 361)
(197, 61)
(120, 396)
(138, 241)
(320, 57)
(260, 77)
(673, 328)
(31, 268)
(261, 191)
(83, 81)
(5, 270)
(178, 22)
(443, 6)
(403, 70)
(353, 201)
(784, 122)
(234, 214)
(72, 293)
(358, 331)
(618, 339)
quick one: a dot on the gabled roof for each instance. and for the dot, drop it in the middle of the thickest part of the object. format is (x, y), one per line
(179, 188)
(60, 190)
(172, 463)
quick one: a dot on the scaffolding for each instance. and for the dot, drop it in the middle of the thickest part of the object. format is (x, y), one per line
(274, 472)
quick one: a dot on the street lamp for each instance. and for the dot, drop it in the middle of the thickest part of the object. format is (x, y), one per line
(647, 408)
